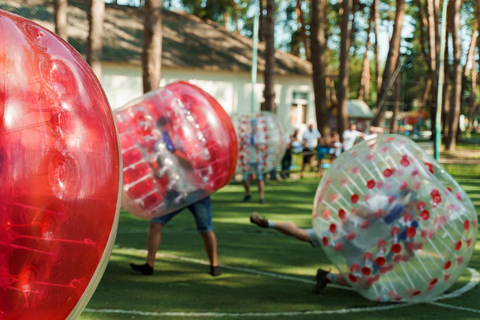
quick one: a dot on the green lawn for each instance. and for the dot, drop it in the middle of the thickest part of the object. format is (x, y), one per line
(264, 273)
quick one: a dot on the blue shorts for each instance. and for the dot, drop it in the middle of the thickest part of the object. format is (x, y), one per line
(253, 170)
(314, 241)
(321, 152)
(201, 210)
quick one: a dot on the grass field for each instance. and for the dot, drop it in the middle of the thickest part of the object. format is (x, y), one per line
(265, 274)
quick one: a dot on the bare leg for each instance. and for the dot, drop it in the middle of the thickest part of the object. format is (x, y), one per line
(341, 280)
(261, 189)
(312, 164)
(154, 237)
(210, 244)
(292, 230)
(246, 185)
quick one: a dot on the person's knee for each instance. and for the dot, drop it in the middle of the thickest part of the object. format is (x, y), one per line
(155, 227)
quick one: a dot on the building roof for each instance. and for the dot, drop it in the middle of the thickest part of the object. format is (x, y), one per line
(188, 41)
(359, 109)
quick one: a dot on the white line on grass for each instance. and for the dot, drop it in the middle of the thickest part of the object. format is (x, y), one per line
(449, 306)
(246, 314)
(474, 280)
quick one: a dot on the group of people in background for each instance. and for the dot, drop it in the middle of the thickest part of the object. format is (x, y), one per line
(314, 144)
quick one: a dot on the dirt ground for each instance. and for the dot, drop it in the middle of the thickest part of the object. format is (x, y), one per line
(461, 157)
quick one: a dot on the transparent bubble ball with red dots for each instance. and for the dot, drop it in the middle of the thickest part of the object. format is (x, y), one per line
(396, 225)
(261, 141)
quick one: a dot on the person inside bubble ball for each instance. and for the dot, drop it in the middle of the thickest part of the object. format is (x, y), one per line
(256, 143)
(307, 235)
(172, 163)
(404, 204)
(379, 215)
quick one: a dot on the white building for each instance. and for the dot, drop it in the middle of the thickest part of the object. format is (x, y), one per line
(200, 52)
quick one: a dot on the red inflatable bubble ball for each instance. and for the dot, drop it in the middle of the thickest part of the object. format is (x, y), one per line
(60, 175)
(178, 146)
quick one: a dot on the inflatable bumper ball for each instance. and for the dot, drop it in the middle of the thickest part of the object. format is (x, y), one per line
(396, 225)
(60, 175)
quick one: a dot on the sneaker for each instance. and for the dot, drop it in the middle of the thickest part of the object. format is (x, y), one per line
(143, 268)
(215, 271)
(321, 281)
(247, 198)
(258, 220)
(261, 201)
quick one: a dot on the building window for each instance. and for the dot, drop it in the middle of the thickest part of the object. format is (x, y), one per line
(298, 112)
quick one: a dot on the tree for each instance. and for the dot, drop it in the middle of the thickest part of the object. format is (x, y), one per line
(318, 43)
(96, 13)
(391, 63)
(378, 77)
(269, 74)
(454, 21)
(61, 8)
(152, 44)
(261, 21)
(342, 91)
(433, 53)
(364, 91)
(301, 22)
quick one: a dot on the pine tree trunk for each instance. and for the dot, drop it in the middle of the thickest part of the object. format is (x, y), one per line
(152, 44)
(423, 27)
(446, 96)
(318, 65)
(96, 14)
(393, 54)
(235, 16)
(467, 70)
(433, 53)
(396, 105)
(344, 72)
(454, 17)
(261, 22)
(301, 20)
(378, 76)
(61, 9)
(364, 90)
(269, 75)
(473, 95)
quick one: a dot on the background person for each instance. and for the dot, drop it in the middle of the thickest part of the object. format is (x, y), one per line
(292, 147)
(309, 140)
(373, 132)
(256, 151)
(350, 135)
(322, 151)
(335, 145)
